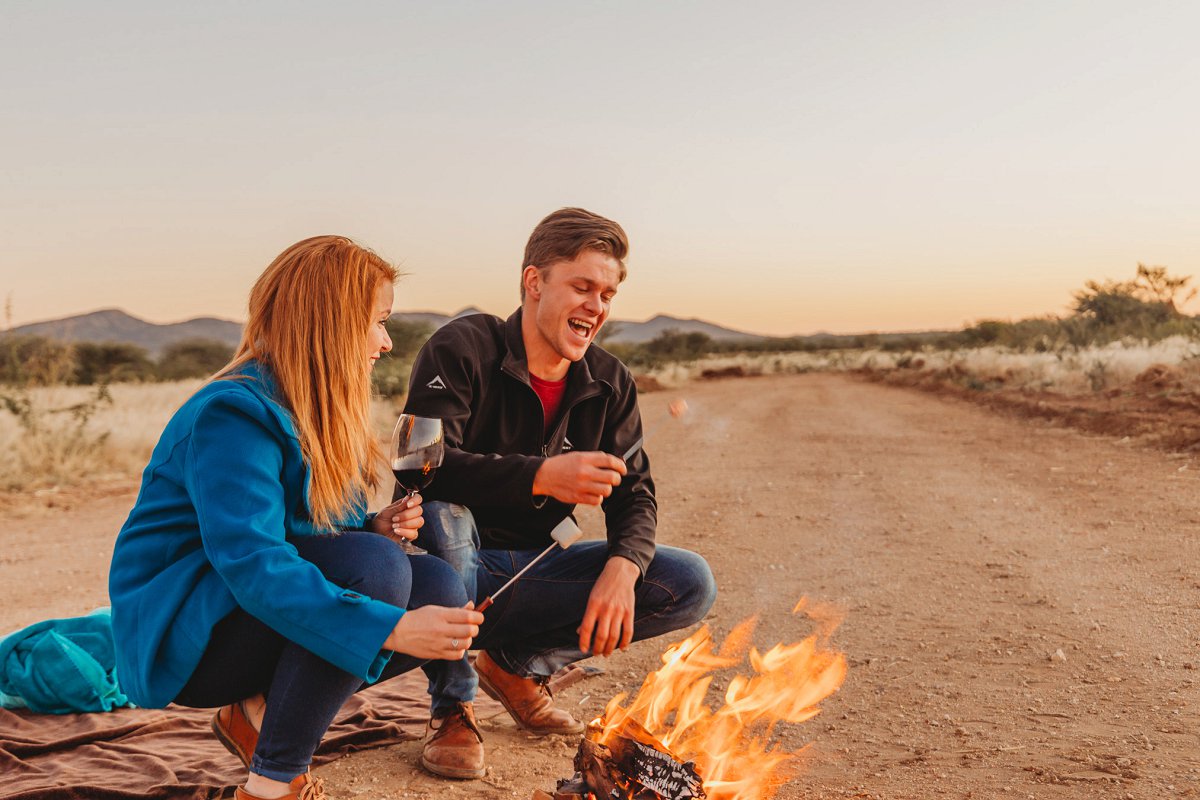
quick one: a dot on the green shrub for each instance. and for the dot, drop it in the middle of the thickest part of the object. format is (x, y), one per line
(111, 362)
(391, 372)
(192, 358)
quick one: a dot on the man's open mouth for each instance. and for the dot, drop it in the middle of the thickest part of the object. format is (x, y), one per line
(584, 329)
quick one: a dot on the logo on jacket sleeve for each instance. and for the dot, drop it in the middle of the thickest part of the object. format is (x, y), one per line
(436, 383)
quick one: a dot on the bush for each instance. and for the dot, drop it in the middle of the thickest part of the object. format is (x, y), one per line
(668, 347)
(52, 441)
(111, 362)
(391, 372)
(34, 361)
(193, 358)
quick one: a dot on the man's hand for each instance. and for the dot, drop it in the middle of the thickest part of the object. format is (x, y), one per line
(401, 520)
(608, 620)
(583, 477)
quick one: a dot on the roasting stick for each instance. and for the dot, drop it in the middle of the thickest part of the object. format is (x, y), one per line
(565, 534)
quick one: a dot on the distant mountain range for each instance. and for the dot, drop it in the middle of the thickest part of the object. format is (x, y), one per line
(115, 325)
(615, 330)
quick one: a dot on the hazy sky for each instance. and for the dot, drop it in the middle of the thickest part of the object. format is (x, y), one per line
(780, 167)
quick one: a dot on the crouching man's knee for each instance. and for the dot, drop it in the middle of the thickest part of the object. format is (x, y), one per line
(687, 580)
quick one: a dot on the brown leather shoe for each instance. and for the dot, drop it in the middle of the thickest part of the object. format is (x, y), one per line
(304, 787)
(233, 729)
(528, 700)
(454, 745)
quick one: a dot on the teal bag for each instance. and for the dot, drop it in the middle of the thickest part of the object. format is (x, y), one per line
(61, 666)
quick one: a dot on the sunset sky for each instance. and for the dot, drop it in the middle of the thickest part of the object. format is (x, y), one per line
(781, 168)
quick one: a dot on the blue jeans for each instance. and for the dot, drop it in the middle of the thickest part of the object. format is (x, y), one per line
(531, 629)
(304, 693)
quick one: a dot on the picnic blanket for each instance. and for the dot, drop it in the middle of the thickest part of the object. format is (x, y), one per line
(171, 753)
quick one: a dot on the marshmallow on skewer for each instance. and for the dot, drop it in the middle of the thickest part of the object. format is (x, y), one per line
(565, 534)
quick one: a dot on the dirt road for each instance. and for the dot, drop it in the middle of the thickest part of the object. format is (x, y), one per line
(1022, 602)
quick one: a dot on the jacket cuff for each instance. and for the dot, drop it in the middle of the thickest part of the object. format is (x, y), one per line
(639, 560)
(526, 477)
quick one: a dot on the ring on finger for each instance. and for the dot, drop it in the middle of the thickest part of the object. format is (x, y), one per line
(454, 643)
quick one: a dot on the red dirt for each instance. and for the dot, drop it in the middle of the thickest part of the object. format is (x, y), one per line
(1161, 406)
(1021, 598)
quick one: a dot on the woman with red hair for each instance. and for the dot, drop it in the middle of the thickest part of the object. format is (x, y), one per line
(248, 575)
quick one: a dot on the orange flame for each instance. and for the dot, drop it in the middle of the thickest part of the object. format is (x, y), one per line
(730, 746)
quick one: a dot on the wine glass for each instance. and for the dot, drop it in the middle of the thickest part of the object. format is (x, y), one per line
(416, 453)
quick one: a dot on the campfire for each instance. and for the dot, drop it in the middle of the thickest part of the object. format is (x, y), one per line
(667, 744)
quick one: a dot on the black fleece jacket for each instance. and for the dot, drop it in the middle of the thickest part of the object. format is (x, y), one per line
(473, 374)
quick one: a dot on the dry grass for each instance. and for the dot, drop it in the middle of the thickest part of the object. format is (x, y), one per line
(677, 374)
(1066, 372)
(116, 441)
(53, 448)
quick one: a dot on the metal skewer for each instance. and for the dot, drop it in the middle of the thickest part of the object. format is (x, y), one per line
(565, 534)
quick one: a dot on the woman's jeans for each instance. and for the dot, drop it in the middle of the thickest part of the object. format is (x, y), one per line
(245, 657)
(531, 630)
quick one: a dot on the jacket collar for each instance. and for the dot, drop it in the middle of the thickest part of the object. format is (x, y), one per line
(258, 378)
(516, 362)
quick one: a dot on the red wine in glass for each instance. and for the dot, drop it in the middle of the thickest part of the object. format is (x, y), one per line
(416, 453)
(415, 471)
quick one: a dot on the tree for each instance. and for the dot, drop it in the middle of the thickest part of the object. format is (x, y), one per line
(193, 358)
(675, 345)
(391, 372)
(1144, 307)
(407, 337)
(1112, 303)
(1153, 284)
(108, 362)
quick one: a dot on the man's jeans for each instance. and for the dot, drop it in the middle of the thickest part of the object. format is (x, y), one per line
(531, 630)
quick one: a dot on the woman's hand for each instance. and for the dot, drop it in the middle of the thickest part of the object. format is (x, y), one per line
(401, 520)
(435, 632)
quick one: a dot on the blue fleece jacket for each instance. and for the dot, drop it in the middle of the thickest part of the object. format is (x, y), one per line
(225, 489)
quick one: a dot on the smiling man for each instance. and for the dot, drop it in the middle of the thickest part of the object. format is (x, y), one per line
(534, 416)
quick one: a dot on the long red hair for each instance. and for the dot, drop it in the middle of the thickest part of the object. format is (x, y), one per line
(309, 318)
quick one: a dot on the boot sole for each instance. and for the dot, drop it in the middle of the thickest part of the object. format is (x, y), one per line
(229, 744)
(493, 693)
(461, 773)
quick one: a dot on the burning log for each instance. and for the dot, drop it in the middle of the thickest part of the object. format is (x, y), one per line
(669, 745)
(628, 763)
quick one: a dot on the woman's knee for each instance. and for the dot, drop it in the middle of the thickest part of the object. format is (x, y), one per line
(379, 568)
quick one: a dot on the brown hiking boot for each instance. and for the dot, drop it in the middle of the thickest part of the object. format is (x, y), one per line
(453, 744)
(528, 700)
(234, 730)
(304, 787)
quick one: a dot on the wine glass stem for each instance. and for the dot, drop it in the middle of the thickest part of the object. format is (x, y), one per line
(408, 545)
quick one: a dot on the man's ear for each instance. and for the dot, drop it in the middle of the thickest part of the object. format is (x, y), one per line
(531, 277)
